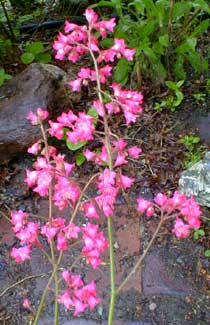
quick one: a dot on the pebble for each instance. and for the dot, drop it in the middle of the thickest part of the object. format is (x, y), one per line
(152, 306)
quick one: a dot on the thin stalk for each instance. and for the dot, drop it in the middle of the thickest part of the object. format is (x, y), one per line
(110, 164)
(138, 74)
(8, 21)
(56, 312)
(112, 273)
(186, 25)
(81, 196)
(42, 301)
(141, 259)
(168, 50)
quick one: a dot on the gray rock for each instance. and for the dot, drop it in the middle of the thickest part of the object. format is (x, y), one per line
(40, 85)
(196, 181)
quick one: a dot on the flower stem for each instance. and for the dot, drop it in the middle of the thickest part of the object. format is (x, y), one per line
(112, 273)
(42, 301)
(56, 298)
(110, 164)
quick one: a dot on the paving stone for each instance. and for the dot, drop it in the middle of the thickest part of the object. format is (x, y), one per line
(49, 321)
(156, 280)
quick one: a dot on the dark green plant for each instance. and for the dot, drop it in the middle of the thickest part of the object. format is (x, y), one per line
(4, 76)
(193, 154)
(199, 97)
(35, 52)
(165, 34)
(174, 99)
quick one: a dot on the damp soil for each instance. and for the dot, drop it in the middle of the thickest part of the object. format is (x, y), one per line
(173, 284)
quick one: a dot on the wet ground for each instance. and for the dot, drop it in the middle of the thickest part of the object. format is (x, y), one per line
(172, 286)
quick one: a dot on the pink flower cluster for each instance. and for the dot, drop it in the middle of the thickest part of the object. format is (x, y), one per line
(37, 118)
(95, 243)
(56, 227)
(186, 211)
(79, 39)
(81, 128)
(77, 295)
(128, 100)
(119, 153)
(26, 232)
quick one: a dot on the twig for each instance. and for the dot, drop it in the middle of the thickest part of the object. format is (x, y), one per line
(21, 281)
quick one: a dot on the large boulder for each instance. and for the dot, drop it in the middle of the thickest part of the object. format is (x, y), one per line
(196, 181)
(40, 85)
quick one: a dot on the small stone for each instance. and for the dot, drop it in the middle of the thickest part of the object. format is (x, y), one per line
(152, 306)
(116, 246)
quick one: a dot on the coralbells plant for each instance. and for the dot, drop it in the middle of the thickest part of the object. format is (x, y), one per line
(52, 176)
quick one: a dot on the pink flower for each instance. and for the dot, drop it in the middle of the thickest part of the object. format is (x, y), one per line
(89, 155)
(69, 27)
(18, 219)
(134, 152)
(143, 205)
(27, 303)
(181, 230)
(64, 191)
(34, 149)
(91, 16)
(50, 229)
(21, 254)
(56, 130)
(150, 211)
(120, 160)
(104, 25)
(102, 157)
(32, 177)
(120, 144)
(99, 107)
(28, 235)
(76, 84)
(33, 118)
(90, 210)
(37, 118)
(71, 231)
(62, 244)
(161, 199)
(66, 119)
(125, 181)
(95, 243)
(104, 73)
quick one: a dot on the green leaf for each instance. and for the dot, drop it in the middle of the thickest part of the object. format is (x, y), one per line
(171, 85)
(80, 159)
(93, 112)
(201, 28)
(202, 4)
(35, 48)
(75, 146)
(4, 76)
(27, 58)
(179, 98)
(139, 6)
(187, 46)
(43, 57)
(107, 42)
(121, 71)
(148, 52)
(103, 4)
(179, 83)
(207, 253)
(180, 9)
(164, 40)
